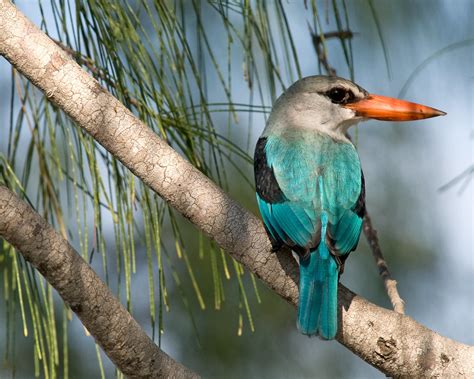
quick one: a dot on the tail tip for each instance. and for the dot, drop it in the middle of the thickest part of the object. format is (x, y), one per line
(326, 335)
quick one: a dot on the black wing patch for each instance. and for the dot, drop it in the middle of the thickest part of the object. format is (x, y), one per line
(359, 207)
(265, 181)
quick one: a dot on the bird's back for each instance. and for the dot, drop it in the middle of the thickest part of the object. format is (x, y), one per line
(316, 175)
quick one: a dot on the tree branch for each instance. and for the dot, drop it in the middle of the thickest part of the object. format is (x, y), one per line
(114, 329)
(395, 344)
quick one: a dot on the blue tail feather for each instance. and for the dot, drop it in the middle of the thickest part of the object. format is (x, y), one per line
(317, 309)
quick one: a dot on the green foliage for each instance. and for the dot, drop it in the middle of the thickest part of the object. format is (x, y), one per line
(159, 60)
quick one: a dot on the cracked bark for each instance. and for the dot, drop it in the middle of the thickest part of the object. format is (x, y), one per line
(393, 343)
(114, 329)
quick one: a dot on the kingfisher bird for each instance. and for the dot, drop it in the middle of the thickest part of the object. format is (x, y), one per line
(310, 185)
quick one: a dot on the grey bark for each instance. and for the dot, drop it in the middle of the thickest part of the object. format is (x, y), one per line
(393, 343)
(114, 329)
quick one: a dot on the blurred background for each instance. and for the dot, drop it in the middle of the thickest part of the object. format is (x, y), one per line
(421, 51)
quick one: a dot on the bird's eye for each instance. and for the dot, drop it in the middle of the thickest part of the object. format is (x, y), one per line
(340, 95)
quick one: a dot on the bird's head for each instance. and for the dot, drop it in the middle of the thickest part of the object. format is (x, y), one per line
(331, 105)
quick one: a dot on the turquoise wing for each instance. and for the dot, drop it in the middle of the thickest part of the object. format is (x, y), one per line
(290, 223)
(343, 236)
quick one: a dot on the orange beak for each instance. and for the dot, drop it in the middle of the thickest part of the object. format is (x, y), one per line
(390, 109)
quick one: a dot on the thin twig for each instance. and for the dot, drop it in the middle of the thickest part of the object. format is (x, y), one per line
(318, 42)
(465, 176)
(390, 284)
(343, 34)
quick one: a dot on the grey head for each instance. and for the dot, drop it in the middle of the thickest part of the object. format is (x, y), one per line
(316, 103)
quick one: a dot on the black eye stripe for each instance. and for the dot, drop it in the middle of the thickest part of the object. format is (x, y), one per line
(340, 95)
